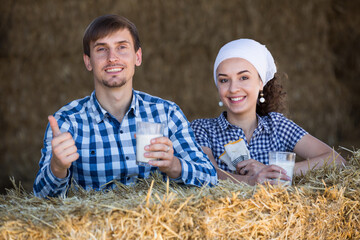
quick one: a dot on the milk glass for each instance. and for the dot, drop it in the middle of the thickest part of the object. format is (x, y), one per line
(286, 160)
(145, 131)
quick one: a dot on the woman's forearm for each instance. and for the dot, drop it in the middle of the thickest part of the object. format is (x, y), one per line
(328, 158)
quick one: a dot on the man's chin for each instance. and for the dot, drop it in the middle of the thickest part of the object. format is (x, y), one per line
(114, 84)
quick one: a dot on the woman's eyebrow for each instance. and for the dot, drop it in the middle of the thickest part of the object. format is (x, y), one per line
(241, 72)
(222, 74)
(244, 71)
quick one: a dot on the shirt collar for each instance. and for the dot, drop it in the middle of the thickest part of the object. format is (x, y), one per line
(222, 121)
(100, 113)
(135, 103)
(262, 124)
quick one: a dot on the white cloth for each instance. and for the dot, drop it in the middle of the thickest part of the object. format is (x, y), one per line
(235, 152)
(255, 53)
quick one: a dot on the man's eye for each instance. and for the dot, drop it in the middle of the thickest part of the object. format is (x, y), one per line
(100, 49)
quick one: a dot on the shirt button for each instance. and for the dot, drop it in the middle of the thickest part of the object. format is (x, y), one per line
(128, 178)
(127, 158)
(121, 131)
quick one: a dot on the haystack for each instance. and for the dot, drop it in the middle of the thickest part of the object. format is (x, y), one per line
(41, 66)
(323, 204)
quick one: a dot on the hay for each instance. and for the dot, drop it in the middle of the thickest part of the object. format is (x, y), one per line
(41, 66)
(323, 204)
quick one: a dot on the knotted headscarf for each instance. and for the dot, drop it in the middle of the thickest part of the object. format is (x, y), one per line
(252, 51)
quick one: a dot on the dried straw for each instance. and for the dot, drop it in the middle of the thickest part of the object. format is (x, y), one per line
(322, 204)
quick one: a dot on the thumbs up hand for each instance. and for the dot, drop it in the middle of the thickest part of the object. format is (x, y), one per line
(64, 151)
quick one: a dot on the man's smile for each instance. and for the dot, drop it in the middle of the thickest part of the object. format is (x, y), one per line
(114, 69)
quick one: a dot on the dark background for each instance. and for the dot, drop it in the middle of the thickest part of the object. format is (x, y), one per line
(316, 42)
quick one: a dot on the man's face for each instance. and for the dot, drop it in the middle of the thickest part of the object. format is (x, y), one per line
(113, 59)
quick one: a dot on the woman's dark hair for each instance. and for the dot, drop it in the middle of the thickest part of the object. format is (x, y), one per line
(105, 25)
(274, 95)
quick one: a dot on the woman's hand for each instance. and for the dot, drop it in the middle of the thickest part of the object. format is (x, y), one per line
(258, 172)
(270, 174)
(249, 167)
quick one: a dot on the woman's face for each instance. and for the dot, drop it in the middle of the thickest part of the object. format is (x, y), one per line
(238, 84)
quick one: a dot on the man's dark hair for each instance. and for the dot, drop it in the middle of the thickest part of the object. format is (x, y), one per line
(105, 25)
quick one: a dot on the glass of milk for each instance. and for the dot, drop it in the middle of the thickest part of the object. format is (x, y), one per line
(145, 131)
(286, 160)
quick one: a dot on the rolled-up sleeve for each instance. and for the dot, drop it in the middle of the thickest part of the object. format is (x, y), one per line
(197, 169)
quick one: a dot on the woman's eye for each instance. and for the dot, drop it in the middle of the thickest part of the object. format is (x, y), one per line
(223, 80)
(244, 78)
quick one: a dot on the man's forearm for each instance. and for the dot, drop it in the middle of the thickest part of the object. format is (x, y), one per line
(47, 185)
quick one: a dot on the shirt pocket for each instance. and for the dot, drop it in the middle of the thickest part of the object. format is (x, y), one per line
(90, 162)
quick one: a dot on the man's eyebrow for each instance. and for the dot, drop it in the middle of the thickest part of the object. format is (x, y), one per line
(99, 44)
(103, 44)
(123, 41)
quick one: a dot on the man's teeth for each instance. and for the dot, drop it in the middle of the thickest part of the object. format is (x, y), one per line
(114, 70)
(237, 99)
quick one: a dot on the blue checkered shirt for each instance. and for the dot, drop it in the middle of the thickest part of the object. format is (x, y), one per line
(273, 133)
(107, 147)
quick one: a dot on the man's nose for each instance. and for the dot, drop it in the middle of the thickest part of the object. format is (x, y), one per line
(112, 56)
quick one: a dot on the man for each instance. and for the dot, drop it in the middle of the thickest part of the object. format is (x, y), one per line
(92, 140)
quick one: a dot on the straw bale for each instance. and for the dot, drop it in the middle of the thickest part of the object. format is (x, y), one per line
(323, 204)
(41, 65)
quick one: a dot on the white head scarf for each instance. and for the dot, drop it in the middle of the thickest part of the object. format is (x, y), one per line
(252, 51)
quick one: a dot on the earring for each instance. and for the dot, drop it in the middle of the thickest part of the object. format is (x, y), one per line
(262, 99)
(221, 104)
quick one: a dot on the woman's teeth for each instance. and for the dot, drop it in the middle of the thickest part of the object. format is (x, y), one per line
(237, 99)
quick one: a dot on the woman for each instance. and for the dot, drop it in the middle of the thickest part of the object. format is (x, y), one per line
(244, 74)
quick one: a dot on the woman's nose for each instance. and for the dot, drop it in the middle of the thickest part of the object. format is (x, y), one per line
(233, 86)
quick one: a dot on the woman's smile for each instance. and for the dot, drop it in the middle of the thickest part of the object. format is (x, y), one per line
(237, 99)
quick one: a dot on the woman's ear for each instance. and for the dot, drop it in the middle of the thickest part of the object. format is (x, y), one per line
(261, 84)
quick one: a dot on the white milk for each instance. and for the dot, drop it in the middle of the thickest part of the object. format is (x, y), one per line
(141, 142)
(286, 160)
(288, 166)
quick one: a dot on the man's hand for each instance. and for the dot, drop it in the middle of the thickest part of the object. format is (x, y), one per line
(64, 151)
(161, 148)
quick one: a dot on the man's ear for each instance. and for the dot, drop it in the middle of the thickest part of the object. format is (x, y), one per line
(87, 62)
(138, 57)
